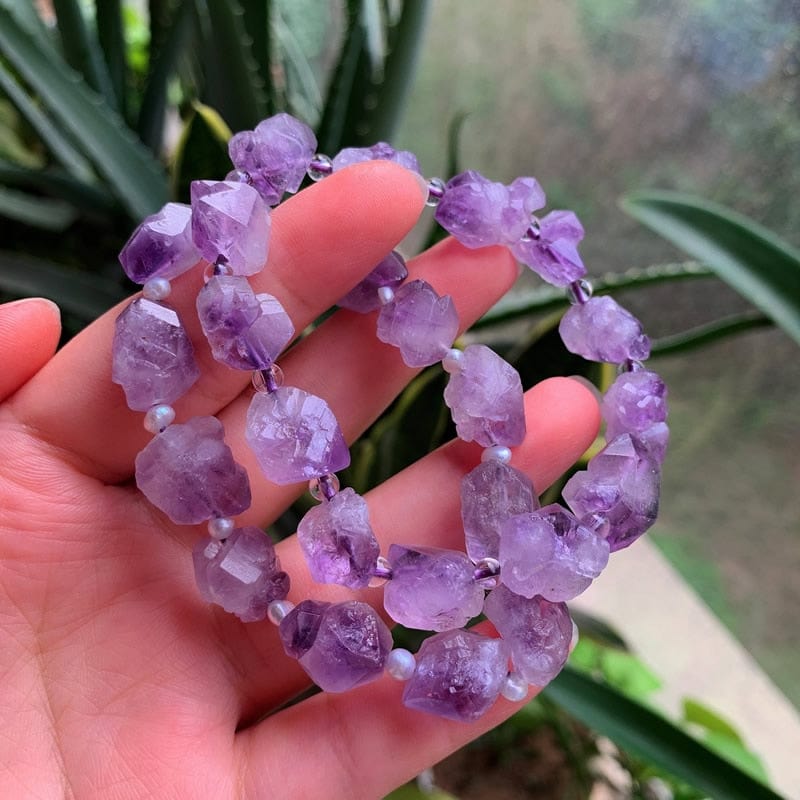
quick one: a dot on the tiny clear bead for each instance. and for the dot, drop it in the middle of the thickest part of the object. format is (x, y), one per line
(385, 295)
(453, 360)
(382, 573)
(630, 365)
(156, 289)
(436, 187)
(486, 572)
(515, 688)
(266, 381)
(400, 664)
(277, 610)
(534, 231)
(320, 167)
(497, 452)
(575, 636)
(579, 292)
(159, 418)
(239, 176)
(324, 487)
(221, 527)
(216, 269)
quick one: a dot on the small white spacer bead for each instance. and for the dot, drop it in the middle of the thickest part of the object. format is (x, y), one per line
(400, 664)
(156, 289)
(453, 360)
(515, 687)
(278, 610)
(385, 295)
(221, 527)
(575, 637)
(497, 452)
(159, 418)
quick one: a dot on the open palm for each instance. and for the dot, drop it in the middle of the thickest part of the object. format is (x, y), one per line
(118, 681)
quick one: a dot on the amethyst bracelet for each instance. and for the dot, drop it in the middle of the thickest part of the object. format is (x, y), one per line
(522, 562)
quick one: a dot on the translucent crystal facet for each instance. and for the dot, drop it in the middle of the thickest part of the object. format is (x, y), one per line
(377, 152)
(363, 298)
(242, 573)
(419, 322)
(338, 542)
(295, 436)
(490, 494)
(340, 646)
(152, 357)
(230, 222)
(189, 473)
(485, 398)
(459, 675)
(549, 553)
(553, 254)
(431, 589)
(245, 330)
(537, 631)
(162, 246)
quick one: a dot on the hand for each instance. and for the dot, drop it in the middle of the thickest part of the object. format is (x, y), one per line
(118, 681)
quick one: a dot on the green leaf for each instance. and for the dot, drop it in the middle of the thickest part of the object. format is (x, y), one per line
(136, 178)
(629, 674)
(111, 35)
(699, 714)
(649, 736)
(39, 212)
(709, 332)
(257, 20)
(411, 791)
(753, 260)
(738, 754)
(28, 19)
(374, 34)
(598, 630)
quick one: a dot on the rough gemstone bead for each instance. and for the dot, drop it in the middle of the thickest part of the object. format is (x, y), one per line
(459, 675)
(480, 212)
(295, 436)
(515, 687)
(420, 322)
(636, 403)
(152, 357)
(189, 473)
(229, 220)
(553, 254)
(621, 483)
(276, 155)
(485, 398)
(241, 574)
(602, 330)
(158, 418)
(338, 542)
(549, 553)
(245, 330)
(390, 272)
(377, 152)
(162, 246)
(340, 645)
(537, 631)
(490, 494)
(401, 664)
(431, 589)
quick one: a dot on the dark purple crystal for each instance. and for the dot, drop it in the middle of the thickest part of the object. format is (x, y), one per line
(364, 297)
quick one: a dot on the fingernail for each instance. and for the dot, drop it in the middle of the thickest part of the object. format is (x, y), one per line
(43, 302)
(587, 384)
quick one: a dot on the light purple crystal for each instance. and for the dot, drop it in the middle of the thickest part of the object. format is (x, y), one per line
(230, 222)
(480, 212)
(419, 322)
(636, 403)
(340, 645)
(553, 253)
(245, 330)
(189, 473)
(459, 675)
(485, 398)
(377, 152)
(364, 297)
(338, 542)
(548, 552)
(275, 155)
(537, 631)
(602, 330)
(490, 494)
(161, 247)
(152, 357)
(241, 574)
(622, 485)
(295, 436)
(431, 589)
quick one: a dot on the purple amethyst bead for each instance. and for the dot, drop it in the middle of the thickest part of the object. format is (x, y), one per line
(242, 574)
(537, 631)
(485, 397)
(295, 436)
(363, 298)
(189, 473)
(275, 155)
(340, 645)
(490, 494)
(553, 254)
(419, 322)
(245, 330)
(459, 675)
(622, 485)
(549, 553)
(161, 247)
(602, 330)
(152, 356)
(431, 589)
(230, 222)
(338, 542)
(377, 152)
